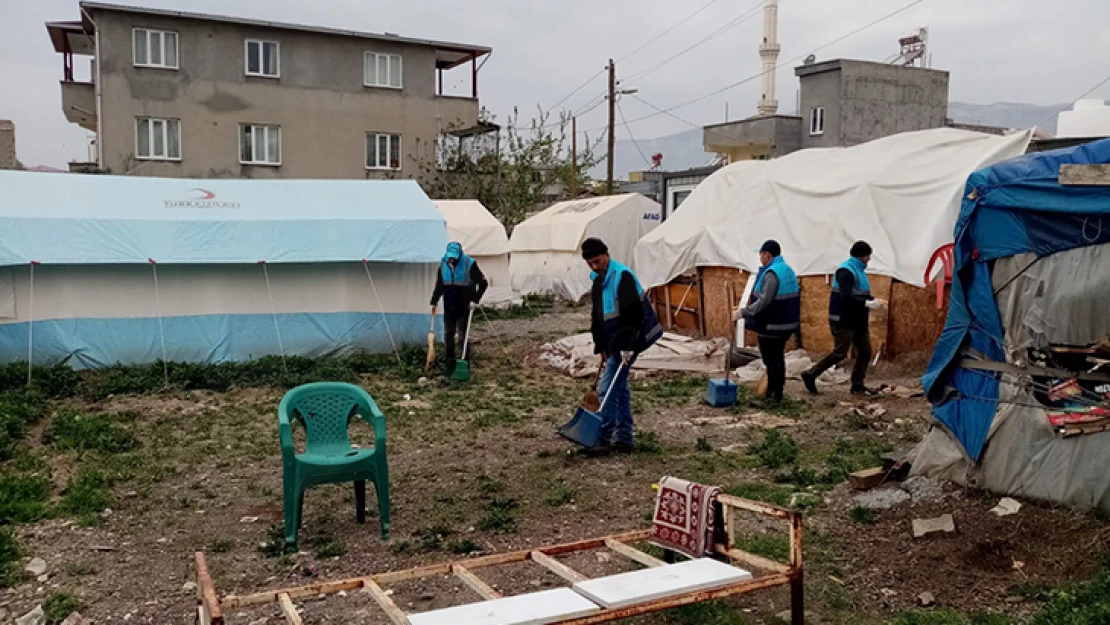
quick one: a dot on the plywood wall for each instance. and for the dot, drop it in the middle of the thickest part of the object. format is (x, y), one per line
(722, 289)
(915, 321)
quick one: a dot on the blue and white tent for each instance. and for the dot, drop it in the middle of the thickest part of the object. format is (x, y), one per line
(98, 270)
(1032, 271)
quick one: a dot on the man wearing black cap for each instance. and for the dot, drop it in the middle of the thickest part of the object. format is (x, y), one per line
(774, 312)
(850, 305)
(623, 324)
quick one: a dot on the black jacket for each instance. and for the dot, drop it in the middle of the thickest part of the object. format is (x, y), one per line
(456, 299)
(631, 317)
(853, 308)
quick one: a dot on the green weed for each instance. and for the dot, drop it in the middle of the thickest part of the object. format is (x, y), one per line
(559, 494)
(500, 517)
(80, 569)
(86, 496)
(10, 573)
(647, 443)
(776, 450)
(771, 546)
(703, 445)
(758, 491)
(60, 605)
(330, 549)
(79, 431)
(23, 498)
(849, 455)
(860, 514)
(463, 547)
(221, 545)
(400, 547)
(949, 617)
(707, 613)
(1084, 604)
(275, 546)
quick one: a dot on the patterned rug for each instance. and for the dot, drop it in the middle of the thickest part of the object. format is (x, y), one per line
(684, 517)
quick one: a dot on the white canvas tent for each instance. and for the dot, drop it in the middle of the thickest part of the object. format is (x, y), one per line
(98, 270)
(546, 257)
(483, 238)
(900, 193)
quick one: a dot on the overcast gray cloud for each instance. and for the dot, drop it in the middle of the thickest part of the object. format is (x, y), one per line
(997, 50)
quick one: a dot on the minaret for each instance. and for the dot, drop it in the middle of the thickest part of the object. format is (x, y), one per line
(769, 53)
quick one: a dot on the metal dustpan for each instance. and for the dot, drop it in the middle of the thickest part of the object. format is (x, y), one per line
(462, 367)
(585, 426)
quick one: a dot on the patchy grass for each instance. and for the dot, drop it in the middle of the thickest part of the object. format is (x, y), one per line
(221, 545)
(79, 431)
(327, 547)
(759, 491)
(23, 498)
(1084, 604)
(773, 546)
(431, 538)
(860, 514)
(647, 443)
(559, 494)
(79, 569)
(60, 605)
(775, 451)
(500, 516)
(703, 445)
(853, 454)
(10, 573)
(463, 547)
(707, 613)
(950, 617)
(18, 409)
(274, 546)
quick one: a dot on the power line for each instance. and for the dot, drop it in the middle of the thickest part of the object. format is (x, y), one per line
(1072, 103)
(669, 30)
(745, 16)
(779, 66)
(633, 137)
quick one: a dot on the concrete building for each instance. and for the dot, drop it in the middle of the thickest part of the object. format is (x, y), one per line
(669, 188)
(8, 158)
(841, 103)
(180, 94)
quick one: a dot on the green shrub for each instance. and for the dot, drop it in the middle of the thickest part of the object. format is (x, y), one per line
(10, 574)
(1085, 604)
(500, 516)
(60, 605)
(758, 491)
(860, 514)
(850, 455)
(17, 410)
(86, 496)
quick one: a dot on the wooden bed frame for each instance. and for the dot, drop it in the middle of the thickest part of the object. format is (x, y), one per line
(211, 608)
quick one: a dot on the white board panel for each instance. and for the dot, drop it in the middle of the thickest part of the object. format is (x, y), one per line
(620, 591)
(537, 608)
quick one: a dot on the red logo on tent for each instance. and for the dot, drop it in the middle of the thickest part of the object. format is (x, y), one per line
(204, 194)
(200, 198)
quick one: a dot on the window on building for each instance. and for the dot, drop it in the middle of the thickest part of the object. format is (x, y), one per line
(259, 145)
(263, 58)
(157, 139)
(382, 70)
(383, 151)
(154, 48)
(817, 120)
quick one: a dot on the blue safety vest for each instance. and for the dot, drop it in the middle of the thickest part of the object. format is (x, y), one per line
(861, 288)
(650, 329)
(784, 315)
(460, 275)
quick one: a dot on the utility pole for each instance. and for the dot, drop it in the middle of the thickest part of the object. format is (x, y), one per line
(574, 156)
(612, 126)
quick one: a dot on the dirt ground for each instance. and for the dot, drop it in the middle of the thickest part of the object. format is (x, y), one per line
(478, 468)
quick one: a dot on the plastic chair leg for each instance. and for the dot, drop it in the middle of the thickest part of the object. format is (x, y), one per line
(381, 488)
(360, 501)
(294, 507)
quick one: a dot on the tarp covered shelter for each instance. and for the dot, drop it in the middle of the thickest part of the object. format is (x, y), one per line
(98, 270)
(483, 238)
(1032, 276)
(546, 257)
(900, 193)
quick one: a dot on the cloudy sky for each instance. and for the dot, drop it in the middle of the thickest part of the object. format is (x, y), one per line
(1032, 51)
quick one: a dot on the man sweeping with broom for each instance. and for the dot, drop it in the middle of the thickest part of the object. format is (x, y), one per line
(623, 324)
(461, 284)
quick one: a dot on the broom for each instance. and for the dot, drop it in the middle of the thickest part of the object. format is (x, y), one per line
(590, 401)
(431, 343)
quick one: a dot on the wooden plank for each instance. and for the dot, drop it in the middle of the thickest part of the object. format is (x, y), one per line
(607, 616)
(765, 509)
(633, 553)
(1085, 175)
(867, 478)
(385, 603)
(289, 610)
(330, 588)
(752, 560)
(667, 300)
(477, 585)
(558, 568)
(1048, 372)
(211, 609)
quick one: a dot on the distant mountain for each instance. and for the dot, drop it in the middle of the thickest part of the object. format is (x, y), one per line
(684, 150)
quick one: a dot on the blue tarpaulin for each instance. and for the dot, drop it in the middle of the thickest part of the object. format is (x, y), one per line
(1014, 207)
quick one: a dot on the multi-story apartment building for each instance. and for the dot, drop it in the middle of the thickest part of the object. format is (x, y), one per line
(180, 94)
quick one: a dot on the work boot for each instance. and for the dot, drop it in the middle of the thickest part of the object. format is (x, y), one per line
(859, 389)
(810, 381)
(602, 449)
(624, 448)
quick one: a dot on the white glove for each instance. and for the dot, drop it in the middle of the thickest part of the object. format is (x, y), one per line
(875, 304)
(626, 357)
(737, 314)
(473, 305)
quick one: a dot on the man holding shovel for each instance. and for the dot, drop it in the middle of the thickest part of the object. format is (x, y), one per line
(461, 284)
(623, 324)
(774, 312)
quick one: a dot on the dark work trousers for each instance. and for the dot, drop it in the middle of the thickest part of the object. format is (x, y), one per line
(771, 350)
(453, 325)
(846, 338)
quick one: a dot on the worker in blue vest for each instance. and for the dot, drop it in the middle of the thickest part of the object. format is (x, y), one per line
(850, 306)
(623, 324)
(774, 312)
(461, 284)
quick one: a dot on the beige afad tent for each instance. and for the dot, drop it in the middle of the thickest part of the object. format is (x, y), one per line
(545, 248)
(482, 238)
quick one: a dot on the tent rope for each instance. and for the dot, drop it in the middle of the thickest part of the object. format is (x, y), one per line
(161, 327)
(496, 334)
(381, 309)
(273, 313)
(31, 323)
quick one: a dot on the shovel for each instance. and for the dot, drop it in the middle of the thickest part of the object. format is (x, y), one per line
(585, 426)
(462, 367)
(431, 343)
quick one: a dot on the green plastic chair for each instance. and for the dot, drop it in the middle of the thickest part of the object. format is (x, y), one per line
(324, 409)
